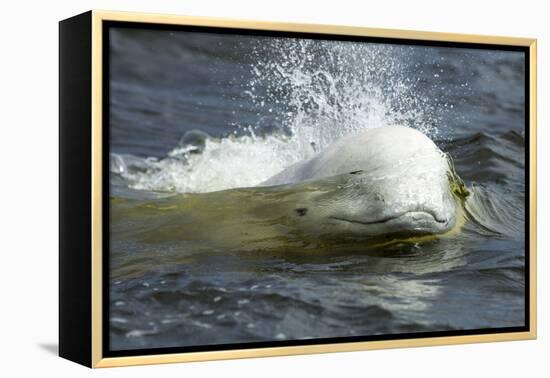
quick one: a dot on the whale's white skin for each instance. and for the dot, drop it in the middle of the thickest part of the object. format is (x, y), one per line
(398, 182)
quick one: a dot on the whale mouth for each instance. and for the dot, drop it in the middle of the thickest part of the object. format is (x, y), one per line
(412, 216)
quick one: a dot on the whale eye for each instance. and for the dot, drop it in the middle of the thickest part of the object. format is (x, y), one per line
(301, 211)
(355, 172)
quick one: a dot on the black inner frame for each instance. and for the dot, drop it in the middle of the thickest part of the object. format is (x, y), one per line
(107, 352)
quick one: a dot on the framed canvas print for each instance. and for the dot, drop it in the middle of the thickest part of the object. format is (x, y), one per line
(235, 189)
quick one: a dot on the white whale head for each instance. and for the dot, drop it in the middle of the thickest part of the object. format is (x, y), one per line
(407, 199)
(385, 181)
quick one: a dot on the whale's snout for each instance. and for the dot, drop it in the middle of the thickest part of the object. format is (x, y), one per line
(415, 199)
(418, 222)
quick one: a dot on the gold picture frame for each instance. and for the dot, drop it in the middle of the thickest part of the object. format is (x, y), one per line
(89, 330)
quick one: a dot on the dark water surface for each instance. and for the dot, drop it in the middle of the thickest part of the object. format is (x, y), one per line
(193, 114)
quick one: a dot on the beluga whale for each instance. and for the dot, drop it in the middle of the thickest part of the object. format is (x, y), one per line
(380, 186)
(390, 182)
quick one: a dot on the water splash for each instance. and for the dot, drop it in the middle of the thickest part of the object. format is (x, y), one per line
(319, 91)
